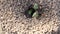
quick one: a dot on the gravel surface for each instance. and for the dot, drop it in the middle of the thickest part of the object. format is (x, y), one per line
(13, 20)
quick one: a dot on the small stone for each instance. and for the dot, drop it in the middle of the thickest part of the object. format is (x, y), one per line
(40, 22)
(1, 17)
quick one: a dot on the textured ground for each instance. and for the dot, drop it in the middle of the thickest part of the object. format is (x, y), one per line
(12, 21)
